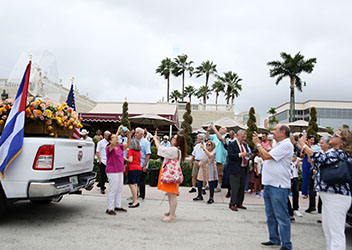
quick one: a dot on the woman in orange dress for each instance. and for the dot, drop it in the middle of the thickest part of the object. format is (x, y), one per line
(177, 150)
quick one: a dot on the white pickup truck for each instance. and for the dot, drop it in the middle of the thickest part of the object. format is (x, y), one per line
(46, 169)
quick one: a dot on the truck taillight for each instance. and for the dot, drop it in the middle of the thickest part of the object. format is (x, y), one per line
(44, 159)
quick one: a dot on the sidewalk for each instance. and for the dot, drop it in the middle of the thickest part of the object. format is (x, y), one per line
(152, 193)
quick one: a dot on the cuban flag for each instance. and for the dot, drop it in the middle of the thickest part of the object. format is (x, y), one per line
(11, 140)
(71, 103)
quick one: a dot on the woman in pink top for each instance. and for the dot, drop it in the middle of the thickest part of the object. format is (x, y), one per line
(114, 170)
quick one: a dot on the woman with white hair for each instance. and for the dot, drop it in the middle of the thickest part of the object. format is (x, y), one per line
(336, 197)
(134, 170)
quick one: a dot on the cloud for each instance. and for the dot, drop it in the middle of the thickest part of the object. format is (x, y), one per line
(112, 48)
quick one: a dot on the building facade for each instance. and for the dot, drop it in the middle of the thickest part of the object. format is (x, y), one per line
(329, 113)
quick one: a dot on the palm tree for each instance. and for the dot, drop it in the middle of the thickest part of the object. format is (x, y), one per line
(204, 92)
(189, 91)
(165, 70)
(206, 68)
(231, 79)
(218, 87)
(182, 66)
(291, 67)
(175, 96)
(272, 120)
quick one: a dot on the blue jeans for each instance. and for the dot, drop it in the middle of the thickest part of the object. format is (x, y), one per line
(277, 215)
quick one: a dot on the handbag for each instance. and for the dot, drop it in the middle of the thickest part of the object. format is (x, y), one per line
(171, 172)
(337, 173)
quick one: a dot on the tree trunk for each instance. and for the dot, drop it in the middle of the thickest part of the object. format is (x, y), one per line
(168, 88)
(190, 97)
(183, 85)
(206, 85)
(216, 98)
(232, 98)
(292, 99)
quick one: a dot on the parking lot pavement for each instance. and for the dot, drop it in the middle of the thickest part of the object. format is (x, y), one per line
(79, 222)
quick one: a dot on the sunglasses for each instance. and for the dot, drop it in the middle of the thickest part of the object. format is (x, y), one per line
(208, 144)
(336, 135)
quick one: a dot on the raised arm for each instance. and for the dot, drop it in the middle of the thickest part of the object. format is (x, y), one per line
(262, 151)
(128, 144)
(218, 135)
(206, 151)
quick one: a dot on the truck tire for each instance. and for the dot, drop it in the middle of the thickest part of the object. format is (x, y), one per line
(2, 202)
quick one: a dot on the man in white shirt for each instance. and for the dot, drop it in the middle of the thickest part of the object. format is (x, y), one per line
(101, 155)
(276, 178)
(84, 135)
(197, 154)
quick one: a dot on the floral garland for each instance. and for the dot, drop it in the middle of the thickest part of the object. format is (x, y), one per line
(47, 111)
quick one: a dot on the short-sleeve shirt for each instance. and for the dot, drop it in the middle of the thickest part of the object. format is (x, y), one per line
(114, 160)
(198, 152)
(101, 149)
(165, 144)
(136, 160)
(145, 150)
(259, 162)
(277, 171)
(220, 150)
(123, 140)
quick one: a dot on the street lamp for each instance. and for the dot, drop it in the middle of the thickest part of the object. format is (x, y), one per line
(4, 95)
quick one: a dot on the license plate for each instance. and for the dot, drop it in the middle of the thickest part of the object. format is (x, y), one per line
(73, 179)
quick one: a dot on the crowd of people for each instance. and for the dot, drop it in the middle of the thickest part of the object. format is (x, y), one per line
(224, 159)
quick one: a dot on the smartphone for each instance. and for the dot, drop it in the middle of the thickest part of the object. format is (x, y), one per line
(124, 129)
(211, 123)
(304, 133)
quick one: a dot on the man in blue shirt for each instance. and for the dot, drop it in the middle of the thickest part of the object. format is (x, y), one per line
(145, 155)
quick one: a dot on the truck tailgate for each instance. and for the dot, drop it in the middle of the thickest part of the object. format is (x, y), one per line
(72, 157)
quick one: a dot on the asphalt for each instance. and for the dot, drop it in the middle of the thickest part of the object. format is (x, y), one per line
(80, 222)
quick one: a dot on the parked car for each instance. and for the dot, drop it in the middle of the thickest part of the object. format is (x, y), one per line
(47, 169)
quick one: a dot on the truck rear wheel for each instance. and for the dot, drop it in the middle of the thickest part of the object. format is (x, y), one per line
(2, 202)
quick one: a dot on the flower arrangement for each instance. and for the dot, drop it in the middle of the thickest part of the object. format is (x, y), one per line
(45, 112)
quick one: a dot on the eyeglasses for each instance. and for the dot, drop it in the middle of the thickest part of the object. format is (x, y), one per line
(336, 135)
(208, 144)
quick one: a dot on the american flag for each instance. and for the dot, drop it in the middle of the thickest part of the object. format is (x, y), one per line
(71, 103)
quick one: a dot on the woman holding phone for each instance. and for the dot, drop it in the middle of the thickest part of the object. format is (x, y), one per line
(178, 151)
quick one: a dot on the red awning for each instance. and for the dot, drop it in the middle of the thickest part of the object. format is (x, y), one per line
(94, 117)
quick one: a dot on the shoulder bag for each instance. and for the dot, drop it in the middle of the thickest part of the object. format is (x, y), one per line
(337, 173)
(172, 172)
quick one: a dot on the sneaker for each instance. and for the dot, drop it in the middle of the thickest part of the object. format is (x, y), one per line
(217, 190)
(192, 190)
(257, 196)
(102, 191)
(198, 198)
(120, 209)
(284, 248)
(269, 244)
(297, 213)
(203, 192)
(292, 218)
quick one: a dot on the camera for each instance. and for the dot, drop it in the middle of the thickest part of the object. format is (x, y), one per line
(124, 129)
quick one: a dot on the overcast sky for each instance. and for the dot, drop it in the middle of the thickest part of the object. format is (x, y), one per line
(112, 48)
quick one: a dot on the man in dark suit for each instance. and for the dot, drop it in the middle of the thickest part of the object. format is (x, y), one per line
(237, 163)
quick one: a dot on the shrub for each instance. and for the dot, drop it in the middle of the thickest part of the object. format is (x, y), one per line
(154, 154)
